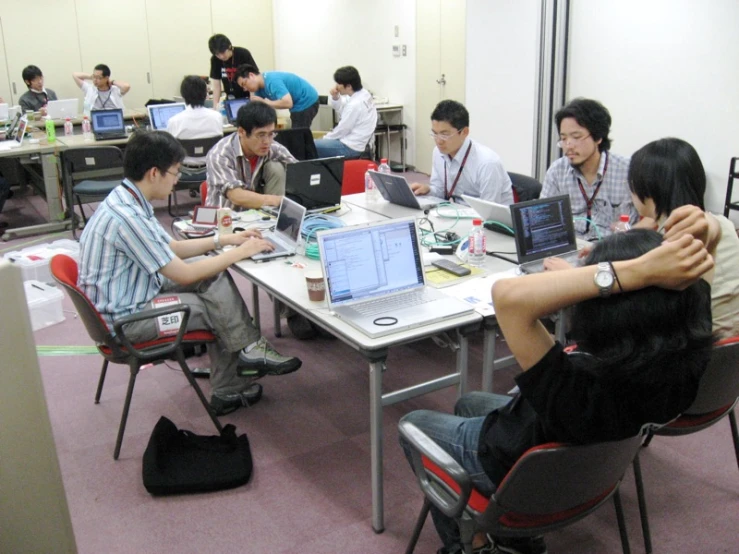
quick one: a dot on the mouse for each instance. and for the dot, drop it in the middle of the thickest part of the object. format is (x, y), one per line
(238, 229)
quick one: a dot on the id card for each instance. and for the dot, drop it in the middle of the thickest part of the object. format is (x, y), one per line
(167, 325)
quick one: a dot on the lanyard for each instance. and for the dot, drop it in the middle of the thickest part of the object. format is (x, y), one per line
(589, 201)
(448, 195)
(103, 103)
(132, 193)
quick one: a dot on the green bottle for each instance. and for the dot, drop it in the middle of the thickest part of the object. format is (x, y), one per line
(50, 130)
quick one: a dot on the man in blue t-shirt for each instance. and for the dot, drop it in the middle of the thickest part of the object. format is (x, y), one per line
(281, 90)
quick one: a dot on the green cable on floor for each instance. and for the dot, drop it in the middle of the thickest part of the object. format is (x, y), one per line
(66, 350)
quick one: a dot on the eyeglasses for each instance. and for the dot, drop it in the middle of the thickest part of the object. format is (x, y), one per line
(265, 137)
(177, 175)
(571, 140)
(443, 137)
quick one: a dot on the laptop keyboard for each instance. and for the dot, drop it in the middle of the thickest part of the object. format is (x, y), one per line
(277, 245)
(385, 305)
(537, 267)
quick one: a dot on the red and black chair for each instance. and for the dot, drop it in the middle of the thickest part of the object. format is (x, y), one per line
(118, 349)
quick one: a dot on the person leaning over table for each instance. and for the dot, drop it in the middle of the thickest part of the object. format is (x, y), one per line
(223, 63)
(642, 324)
(103, 93)
(37, 96)
(128, 261)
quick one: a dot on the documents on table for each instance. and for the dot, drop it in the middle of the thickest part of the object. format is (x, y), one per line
(478, 291)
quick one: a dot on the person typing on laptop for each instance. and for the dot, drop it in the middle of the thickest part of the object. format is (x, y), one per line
(103, 93)
(129, 263)
(247, 168)
(36, 97)
(461, 165)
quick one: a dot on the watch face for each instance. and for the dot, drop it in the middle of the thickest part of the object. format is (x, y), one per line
(604, 279)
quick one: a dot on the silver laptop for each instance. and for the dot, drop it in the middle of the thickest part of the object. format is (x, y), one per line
(4, 112)
(15, 134)
(62, 109)
(543, 229)
(375, 279)
(497, 217)
(286, 235)
(396, 190)
(159, 114)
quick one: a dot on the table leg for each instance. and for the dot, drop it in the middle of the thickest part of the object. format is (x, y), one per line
(276, 309)
(255, 307)
(375, 368)
(488, 357)
(462, 362)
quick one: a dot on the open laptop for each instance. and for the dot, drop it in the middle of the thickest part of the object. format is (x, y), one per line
(497, 216)
(396, 190)
(286, 235)
(315, 184)
(4, 112)
(159, 114)
(375, 279)
(108, 124)
(232, 108)
(544, 228)
(62, 109)
(16, 134)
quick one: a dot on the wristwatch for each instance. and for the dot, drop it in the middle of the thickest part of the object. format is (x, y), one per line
(604, 279)
(217, 240)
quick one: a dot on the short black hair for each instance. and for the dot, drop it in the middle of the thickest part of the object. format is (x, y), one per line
(148, 149)
(590, 114)
(104, 68)
(255, 115)
(348, 75)
(670, 172)
(244, 69)
(218, 43)
(452, 112)
(194, 90)
(30, 72)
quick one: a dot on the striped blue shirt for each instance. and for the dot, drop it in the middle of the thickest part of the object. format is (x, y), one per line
(122, 249)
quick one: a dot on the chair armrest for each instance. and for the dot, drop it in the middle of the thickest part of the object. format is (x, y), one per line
(440, 495)
(159, 351)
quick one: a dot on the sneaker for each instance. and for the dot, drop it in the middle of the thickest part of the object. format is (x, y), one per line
(228, 403)
(516, 545)
(262, 360)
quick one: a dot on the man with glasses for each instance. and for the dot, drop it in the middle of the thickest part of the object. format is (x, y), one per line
(461, 165)
(128, 264)
(103, 93)
(247, 168)
(594, 178)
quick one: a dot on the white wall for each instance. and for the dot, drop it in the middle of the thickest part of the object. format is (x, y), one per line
(313, 40)
(663, 68)
(501, 77)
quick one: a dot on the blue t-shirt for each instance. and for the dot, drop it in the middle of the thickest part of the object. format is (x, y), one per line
(279, 83)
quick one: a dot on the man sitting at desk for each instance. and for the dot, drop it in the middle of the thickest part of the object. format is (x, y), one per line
(461, 165)
(103, 93)
(357, 113)
(281, 90)
(128, 261)
(247, 168)
(36, 97)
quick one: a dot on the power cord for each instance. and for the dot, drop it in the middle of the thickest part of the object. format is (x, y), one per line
(311, 225)
(595, 226)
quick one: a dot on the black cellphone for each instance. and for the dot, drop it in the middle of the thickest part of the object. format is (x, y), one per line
(451, 267)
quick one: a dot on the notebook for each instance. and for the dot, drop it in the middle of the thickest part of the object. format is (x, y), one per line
(287, 231)
(62, 109)
(375, 280)
(232, 108)
(543, 228)
(4, 112)
(315, 184)
(107, 124)
(16, 134)
(159, 114)
(396, 190)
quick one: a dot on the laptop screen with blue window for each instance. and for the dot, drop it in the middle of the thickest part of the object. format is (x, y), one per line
(107, 121)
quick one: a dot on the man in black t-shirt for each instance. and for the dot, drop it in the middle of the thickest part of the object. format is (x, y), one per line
(223, 63)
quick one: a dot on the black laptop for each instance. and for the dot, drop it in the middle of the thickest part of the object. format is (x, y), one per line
(108, 124)
(232, 108)
(316, 184)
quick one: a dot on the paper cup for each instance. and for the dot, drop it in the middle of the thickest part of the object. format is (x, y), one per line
(316, 286)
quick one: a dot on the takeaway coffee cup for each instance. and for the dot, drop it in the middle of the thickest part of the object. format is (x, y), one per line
(316, 286)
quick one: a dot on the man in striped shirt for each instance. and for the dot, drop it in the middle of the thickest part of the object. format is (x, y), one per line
(128, 263)
(247, 168)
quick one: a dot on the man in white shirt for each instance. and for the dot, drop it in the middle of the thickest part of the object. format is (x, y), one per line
(196, 121)
(357, 117)
(103, 93)
(461, 165)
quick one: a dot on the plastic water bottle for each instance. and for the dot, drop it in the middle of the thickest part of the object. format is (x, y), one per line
(86, 129)
(68, 128)
(477, 245)
(622, 224)
(384, 168)
(50, 130)
(224, 115)
(370, 190)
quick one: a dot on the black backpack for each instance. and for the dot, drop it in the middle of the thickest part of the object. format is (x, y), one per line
(178, 461)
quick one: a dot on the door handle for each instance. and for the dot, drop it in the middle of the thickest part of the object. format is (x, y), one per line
(441, 81)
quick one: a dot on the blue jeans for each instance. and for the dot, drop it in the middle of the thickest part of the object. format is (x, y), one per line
(458, 435)
(328, 148)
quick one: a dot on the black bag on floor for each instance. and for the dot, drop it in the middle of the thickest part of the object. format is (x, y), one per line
(177, 461)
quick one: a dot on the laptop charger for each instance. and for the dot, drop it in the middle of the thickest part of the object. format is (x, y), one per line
(444, 250)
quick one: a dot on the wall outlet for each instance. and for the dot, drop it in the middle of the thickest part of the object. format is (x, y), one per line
(405, 50)
(396, 50)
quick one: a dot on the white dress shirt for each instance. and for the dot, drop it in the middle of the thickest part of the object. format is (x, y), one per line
(195, 123)
(358, 119)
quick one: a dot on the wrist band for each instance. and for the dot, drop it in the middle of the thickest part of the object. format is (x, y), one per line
(217, 243)
(613, 269)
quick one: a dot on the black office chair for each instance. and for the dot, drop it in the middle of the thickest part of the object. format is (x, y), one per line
(299, 142)
(191, 179)
(90, 174)
(524, 187)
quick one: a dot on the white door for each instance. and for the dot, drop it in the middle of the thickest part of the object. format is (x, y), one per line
(5, 92)
(247, 23)
(440, 66)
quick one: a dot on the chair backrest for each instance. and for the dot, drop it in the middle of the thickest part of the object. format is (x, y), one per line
(197, 148)
(719, 385)
(95, 163)
(552, 478)
(203, 192)
(524, 187)
(353, 180)
(299, 142)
